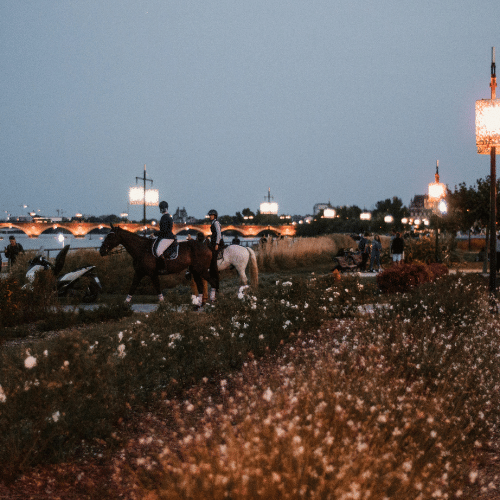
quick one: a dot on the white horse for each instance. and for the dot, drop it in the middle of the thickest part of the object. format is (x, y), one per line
(239, 256)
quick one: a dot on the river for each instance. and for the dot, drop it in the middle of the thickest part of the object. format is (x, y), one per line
(52, 243)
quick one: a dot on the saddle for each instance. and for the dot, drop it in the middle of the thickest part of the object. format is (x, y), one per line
(172, 252)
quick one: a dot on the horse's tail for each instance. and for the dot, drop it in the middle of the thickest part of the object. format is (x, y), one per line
(254, 270)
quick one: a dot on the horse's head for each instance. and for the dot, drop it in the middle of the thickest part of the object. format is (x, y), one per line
(111, 241)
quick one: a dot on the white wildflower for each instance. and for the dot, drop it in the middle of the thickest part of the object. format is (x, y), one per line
(55, 416)
(121, 351)
(3, 397)
(268, 394)
(30, 362)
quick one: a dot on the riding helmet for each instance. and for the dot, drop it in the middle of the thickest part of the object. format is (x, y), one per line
(163, 206)
(213, 212)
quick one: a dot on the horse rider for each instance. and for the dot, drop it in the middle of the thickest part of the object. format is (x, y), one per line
(215, 243)
(165, 236)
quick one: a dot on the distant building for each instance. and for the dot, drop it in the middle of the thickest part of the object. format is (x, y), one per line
(180, 216)
(417, 207)
(321, 206)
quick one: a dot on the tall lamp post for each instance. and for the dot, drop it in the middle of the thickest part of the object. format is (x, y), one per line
(143, 196)
(436, 203)
(487, 140)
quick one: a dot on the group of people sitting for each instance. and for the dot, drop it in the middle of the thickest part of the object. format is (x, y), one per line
(372, 250)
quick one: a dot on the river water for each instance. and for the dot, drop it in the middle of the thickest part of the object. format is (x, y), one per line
(52, 243)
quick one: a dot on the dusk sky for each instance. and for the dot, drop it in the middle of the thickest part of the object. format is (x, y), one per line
(347, 101)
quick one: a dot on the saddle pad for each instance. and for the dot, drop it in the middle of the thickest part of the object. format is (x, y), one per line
(172, 252)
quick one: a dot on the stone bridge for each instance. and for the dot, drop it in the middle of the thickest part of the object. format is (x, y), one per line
(81, 229)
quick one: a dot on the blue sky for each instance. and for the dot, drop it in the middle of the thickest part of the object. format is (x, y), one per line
(347, 101)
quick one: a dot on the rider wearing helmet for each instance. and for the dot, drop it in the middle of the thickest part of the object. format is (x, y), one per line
(165, 236)
(215, 243)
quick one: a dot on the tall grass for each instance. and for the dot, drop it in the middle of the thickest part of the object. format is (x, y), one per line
(290, 253)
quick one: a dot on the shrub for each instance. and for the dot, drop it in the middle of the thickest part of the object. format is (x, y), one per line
(19, 305)
(400, 278)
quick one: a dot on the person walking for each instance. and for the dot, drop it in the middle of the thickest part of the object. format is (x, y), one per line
(215, 243)
(364, 248)
(398, 246)
(375, 253)
(13, 250)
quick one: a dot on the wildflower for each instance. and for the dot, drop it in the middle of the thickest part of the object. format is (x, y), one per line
(30, 362)
(120, 336)
(121, 351)
(268, 394)
(473, 477)
(55, 416)
(407, 466)
(3, 397)
(45, 353)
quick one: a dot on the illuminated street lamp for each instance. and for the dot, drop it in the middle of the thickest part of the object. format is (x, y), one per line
(142, 196)
(487, 141)
(329, 213)
(269, 207)
(365, 216)
(436, 203)
(388, 219)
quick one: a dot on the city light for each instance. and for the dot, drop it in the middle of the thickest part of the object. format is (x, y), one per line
(136, 196)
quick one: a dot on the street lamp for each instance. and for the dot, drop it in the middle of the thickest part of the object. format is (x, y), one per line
(142, 196)
(487, 140)
(435, 202)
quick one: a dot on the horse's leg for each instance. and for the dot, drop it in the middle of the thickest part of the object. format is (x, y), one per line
(240, 267)
(156, 283)
(133, 287)
(199, 286)
(214, 276)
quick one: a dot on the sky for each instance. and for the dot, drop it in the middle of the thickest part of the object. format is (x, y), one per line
(341, 101)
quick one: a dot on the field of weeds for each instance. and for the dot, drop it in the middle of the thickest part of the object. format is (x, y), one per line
(288, 391)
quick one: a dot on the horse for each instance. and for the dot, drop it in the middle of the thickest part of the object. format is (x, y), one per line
(239, 257)
(192, 255)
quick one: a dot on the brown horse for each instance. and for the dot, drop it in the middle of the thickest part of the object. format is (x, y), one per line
(193, 255)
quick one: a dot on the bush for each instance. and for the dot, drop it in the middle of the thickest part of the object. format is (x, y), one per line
(400, 278)
(20, 305)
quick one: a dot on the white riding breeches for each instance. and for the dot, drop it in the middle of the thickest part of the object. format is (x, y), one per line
(162, 246)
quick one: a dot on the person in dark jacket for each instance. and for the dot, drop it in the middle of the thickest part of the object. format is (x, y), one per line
(364, 248)
(13, 250)
(215, 242)
(165, 236)
(397, 248)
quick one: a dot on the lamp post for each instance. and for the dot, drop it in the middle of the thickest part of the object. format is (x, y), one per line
(487, 140)
(143, 196)
(435, 202)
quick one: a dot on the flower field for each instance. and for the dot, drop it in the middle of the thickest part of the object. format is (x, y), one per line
(290, 391)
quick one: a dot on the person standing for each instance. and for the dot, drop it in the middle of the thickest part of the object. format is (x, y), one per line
(13, 250)
(397, 248)
(165, 236)
(364, 248)
(215, 244)
(375, 254)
